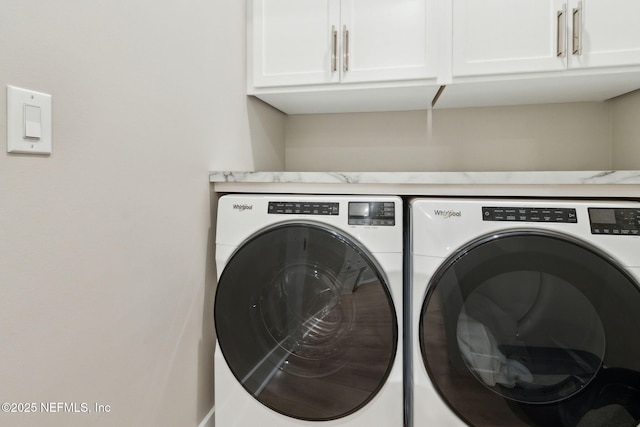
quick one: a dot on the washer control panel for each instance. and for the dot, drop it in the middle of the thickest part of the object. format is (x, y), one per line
(624, 222)
(360, 213)
(304, 208)
(372, 213)
(566, 215)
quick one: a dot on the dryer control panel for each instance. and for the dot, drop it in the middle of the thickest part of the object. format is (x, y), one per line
(616, 221)
(567, 215)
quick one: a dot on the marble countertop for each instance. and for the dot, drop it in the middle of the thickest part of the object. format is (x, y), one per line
(432, 178)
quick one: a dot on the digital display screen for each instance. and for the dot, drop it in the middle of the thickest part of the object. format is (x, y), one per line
(602, 216)
(359, 209)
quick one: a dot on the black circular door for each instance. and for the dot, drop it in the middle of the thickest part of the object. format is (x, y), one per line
(534, 328)
(305, 321)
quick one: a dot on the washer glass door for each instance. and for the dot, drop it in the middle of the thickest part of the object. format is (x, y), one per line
(305, 321)
(533, 328)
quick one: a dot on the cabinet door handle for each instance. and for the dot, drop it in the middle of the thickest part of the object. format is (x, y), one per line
(561, 37)
(345, 42)
(577, 29)
(334, 49)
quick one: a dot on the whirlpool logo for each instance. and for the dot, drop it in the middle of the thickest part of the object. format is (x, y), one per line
(447, 214)
(243, 207)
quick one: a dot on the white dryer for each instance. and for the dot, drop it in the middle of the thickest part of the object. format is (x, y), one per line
(308, 311)
(525, 312)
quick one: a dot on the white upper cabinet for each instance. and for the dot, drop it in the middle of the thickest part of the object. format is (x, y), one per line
(307, 42)
(505, 36)
(293, 42)
(604, 33)
(515, 36)
(336, 56)
(384, 40)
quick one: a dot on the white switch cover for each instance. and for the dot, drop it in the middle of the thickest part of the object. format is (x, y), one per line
(28, 121)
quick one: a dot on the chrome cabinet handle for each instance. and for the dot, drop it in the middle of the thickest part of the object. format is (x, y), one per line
(345, 42)
(561, 36)
(334, 49)
(577, 29)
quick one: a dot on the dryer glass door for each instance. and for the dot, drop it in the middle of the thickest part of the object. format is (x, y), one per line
(305, 321)
(533, 328)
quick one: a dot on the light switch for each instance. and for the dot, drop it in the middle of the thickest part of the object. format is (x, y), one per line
(29, 123)
(32, 126)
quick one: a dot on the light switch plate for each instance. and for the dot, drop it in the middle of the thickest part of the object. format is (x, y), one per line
(20, 103)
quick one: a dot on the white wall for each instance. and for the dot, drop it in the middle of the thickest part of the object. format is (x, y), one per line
(626, 131)
(106, 273)
(533, 137)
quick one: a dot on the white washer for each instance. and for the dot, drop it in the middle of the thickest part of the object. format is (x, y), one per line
(308, 311)
(525, 312)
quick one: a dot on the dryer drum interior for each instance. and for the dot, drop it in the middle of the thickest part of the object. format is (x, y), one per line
(305, 321)
(533, 328)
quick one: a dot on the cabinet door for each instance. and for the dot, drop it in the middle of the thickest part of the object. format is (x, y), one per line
(292, 41)
(508, 36)
(604, 33)
(384, 40)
